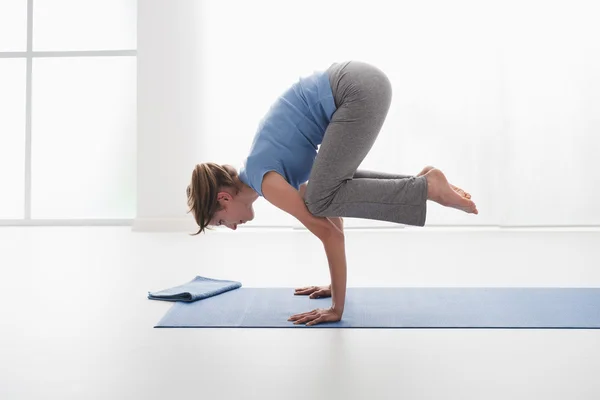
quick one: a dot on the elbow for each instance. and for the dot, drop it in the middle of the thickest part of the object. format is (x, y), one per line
(320, 226)
(323, 229)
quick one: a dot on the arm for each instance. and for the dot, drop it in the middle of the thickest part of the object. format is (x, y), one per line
(281, 194)
(337, 221)
(336, 253)
(277, 191)
(336, 256)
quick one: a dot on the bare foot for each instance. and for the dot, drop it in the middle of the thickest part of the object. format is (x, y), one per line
(440, 191)
(425, 170)
(456, 189)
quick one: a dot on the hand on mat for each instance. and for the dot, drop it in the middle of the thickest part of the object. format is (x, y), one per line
(316, 316)
(315, 292)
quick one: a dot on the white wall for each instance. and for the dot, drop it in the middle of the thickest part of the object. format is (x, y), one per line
(552, 105)
(169, 112)
(503, 97)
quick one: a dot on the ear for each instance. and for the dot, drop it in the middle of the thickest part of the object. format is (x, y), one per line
(224, 196)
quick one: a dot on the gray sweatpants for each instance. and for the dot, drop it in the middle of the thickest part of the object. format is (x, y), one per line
(336, 188)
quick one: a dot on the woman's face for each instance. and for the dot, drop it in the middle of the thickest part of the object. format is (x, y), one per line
(235, 213)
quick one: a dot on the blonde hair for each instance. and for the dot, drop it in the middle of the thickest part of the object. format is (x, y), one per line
(207, 179)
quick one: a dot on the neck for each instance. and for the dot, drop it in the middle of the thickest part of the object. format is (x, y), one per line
(246, 192)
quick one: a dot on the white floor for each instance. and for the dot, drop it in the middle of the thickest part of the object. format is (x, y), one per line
(76, 323)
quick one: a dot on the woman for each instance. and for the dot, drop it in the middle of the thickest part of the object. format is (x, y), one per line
(341, 109)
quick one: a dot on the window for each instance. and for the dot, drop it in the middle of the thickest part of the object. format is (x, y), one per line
(68, 110)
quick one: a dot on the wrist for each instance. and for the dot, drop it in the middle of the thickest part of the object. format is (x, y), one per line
(338, 310)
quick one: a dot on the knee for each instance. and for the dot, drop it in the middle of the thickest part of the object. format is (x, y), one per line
(312, 207)
(382, 86)
(312, 203)
(385, 90)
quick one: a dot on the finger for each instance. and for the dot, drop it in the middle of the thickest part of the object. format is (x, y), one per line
(316, 321)
(307, 318)
(317, 294)
(297, 316)
(306, 290)
(301, 318)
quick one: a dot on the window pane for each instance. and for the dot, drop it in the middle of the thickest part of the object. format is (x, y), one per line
(12, 138)
(84, 137)
(13, 25)
(84, 25)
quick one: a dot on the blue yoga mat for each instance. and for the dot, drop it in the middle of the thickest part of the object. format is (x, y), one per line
(575, 308)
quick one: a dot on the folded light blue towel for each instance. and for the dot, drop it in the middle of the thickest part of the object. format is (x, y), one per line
(197, 289)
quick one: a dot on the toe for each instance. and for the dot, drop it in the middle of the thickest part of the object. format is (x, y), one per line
(460, 191)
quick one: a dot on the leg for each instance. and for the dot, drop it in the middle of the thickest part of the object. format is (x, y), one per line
(363, 96)
(361, 173)
(384, 175)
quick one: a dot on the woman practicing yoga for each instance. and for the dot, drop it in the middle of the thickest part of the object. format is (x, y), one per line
(342, 109)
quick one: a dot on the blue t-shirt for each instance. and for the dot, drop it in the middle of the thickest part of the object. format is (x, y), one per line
(288, 135)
